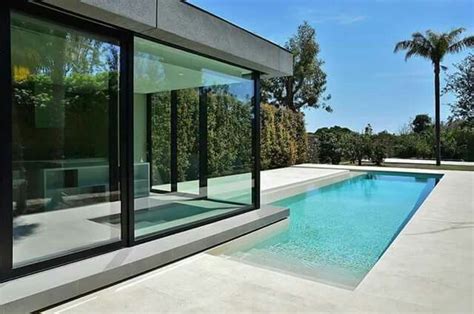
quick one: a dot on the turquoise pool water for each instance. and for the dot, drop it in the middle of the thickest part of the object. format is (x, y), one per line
(338, 232)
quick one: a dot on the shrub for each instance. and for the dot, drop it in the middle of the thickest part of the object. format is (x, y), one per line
(284, 141)
(378, 154)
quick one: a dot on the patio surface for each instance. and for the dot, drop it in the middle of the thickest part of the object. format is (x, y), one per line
(426, 162)
(428, 268)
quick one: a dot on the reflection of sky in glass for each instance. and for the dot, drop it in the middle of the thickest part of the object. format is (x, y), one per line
(148, 67)
(239, 87)
(242, 91)
(210, 77)
(83, 53)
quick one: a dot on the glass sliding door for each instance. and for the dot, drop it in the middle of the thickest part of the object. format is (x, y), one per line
(230, 155)
(193, 128)
(188, 135)
(65, 163)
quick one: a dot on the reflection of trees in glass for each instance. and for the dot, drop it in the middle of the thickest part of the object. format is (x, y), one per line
(64, 84)
(85, 105)
(149, 72)
(229, 133)
(160, 137)
(188, 134)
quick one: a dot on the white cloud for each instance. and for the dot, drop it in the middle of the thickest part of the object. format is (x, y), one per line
(318, 16)
(342, 19)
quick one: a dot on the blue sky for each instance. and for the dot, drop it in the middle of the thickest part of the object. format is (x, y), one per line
(367, 81)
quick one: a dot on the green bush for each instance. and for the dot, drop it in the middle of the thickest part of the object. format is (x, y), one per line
(332, 145)
(284, 141)
(378, 154)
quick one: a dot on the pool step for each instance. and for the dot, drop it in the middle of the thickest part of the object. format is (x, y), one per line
(248, 241)
(281, 192)
(322, 273)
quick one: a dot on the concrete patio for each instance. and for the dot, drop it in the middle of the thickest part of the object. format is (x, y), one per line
(428, 268)
(426, 162)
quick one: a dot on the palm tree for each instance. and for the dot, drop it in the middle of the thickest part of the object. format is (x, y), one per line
(434, 46)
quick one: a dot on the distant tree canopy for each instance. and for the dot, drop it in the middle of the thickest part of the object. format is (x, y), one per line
(461, 84)
(329, 141)
(421, 123)
(339, 144)
(306, 88)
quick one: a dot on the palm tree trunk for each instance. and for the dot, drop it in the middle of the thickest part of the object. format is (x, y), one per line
(437, 115)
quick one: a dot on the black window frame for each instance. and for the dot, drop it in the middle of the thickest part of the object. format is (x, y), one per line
(7, 271)
(125, 170)
(255, 175)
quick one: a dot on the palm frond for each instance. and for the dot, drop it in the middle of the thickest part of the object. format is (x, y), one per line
(418, 36)
(403, 45)
(467, 42)
(434, 46)
(432, 37)
(454, 34)
(418, 50)
(419, 45)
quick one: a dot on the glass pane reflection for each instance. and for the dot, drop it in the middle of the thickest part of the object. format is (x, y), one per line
(65, 100)
(194, 125)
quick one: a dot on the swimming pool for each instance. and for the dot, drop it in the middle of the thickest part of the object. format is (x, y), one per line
(336, 233)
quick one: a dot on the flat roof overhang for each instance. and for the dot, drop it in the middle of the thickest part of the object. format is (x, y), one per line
(182, 24)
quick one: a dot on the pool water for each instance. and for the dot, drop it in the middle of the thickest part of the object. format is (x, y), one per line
(337, 233)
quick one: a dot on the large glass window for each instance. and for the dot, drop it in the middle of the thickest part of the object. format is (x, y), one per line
(193, 138)
(65, 148)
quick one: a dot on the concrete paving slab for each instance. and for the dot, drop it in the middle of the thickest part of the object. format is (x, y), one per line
(428, 268)
(426, 162)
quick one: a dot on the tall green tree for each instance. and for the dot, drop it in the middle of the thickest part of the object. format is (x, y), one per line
(434, 47)
(461, 84)
(307, 86)
(421, 123)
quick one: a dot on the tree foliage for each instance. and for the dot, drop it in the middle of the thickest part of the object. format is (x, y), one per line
(421, 123)
(229, 134)
(284, 141)
(36, 112)
(307, 87)
(338, 144)
(434, 47)
(461, 84)
(329, 143)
